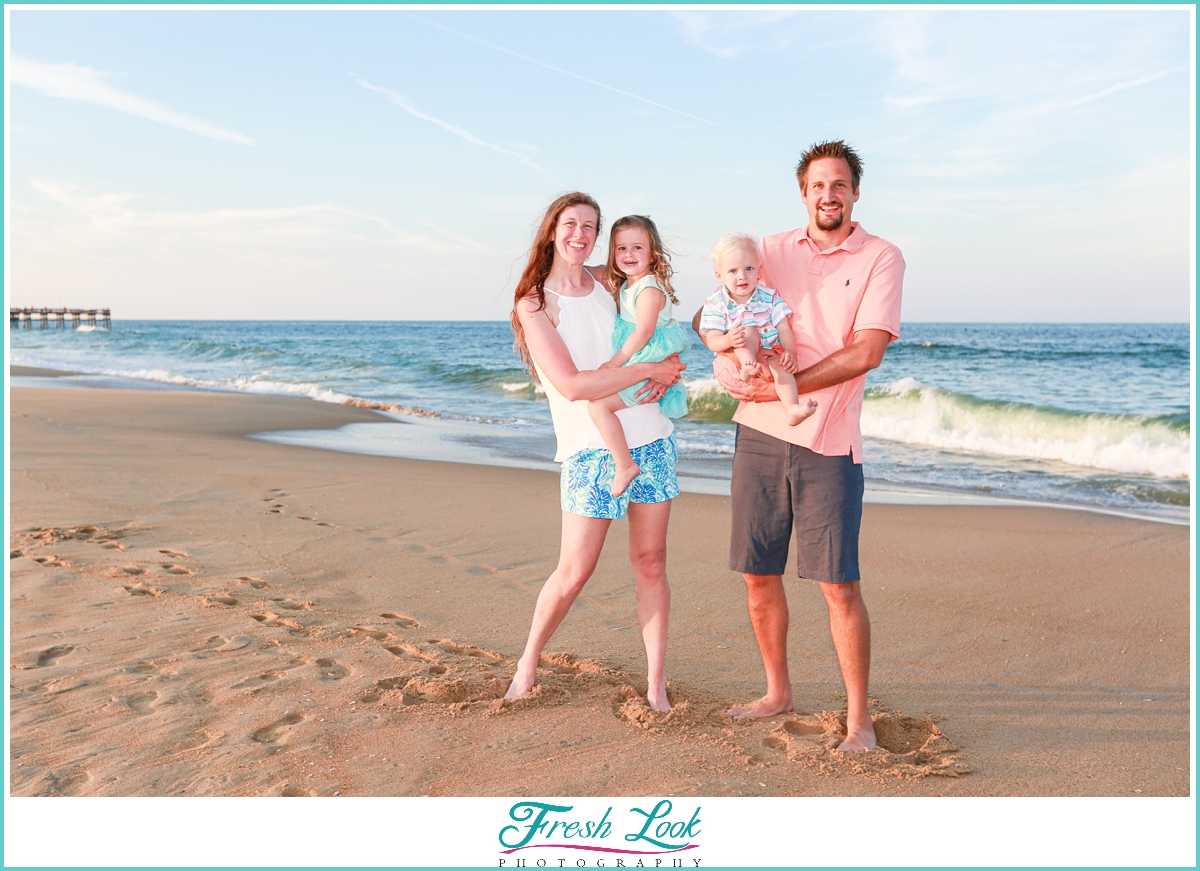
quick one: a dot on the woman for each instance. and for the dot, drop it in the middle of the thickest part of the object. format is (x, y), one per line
(562, 322)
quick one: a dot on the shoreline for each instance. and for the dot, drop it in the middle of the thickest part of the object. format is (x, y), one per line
(240, 610)
(705, 477)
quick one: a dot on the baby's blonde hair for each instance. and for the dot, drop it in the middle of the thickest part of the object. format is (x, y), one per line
(730, 241)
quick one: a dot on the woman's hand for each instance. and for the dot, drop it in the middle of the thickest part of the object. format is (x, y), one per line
(667, 375)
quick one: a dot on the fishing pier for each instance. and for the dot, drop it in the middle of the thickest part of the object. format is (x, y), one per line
(23, 318)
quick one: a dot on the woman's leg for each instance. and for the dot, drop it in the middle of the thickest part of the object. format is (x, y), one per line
(582, 541)
(648, 556)
(604, 415)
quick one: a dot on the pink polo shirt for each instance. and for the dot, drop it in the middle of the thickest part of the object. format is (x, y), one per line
(832, 294)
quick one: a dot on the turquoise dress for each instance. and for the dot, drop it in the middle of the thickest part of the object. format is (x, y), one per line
(668, 338)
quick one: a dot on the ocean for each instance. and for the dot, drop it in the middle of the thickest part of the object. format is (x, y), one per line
(1085, 415)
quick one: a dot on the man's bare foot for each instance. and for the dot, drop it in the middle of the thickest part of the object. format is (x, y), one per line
(764, 707)
(623, 477)
(658, 700)
(858, 741)
(522, 682)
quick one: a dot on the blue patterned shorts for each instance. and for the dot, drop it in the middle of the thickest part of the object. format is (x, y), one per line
(587, 475)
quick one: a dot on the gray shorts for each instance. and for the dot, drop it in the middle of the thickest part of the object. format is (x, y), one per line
(777, 484)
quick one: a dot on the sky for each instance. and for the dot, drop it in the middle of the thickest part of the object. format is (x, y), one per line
(1033, 165)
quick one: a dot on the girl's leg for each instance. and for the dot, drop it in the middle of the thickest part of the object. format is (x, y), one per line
(748, 356)
(604, 415)
(785, 389)
(582, 540)
(648, 556)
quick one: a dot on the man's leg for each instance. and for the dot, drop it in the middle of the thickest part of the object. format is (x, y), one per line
(761, 529)
(767, 604)
(851, 630)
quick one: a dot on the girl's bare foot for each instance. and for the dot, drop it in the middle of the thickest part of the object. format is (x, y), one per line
(522, 681)
(764, 707)
(623, 477)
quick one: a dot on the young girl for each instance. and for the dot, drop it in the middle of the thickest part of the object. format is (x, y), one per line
(639, 274)
(751, 320)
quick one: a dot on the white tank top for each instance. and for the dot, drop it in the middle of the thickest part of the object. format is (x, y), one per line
(585, 324)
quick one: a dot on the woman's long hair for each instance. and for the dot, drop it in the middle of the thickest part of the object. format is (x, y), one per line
(660, 259)
(541, 259)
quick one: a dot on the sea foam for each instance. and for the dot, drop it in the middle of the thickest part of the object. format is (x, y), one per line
(909, 412)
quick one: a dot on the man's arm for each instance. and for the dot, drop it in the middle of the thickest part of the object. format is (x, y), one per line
(864, 353)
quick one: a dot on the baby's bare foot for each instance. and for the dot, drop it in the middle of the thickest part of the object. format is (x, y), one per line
(623, 477)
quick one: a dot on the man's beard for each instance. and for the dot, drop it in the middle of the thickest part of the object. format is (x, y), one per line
(827, 223)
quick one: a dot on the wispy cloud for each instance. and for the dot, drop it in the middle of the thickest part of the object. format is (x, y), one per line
(560, 70)
(398, 100)
(114, 213)
(70, 82)
(1144, 80)
(728, 33)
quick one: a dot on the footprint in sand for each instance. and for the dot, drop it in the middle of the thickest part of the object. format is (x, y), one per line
(141, 703)
(175, 553)
(220, 644)
(272, 619)
(292, 790)
(51, 561)
(273, 733)
(467, 650)
(368, 632)
(221, 600)
(52, 655)
(172, 569)
(328, 670)
(257, 583)
(133, 570)
(142, 590)
(15, 554)
(410, 650)
(405, 622)
(292, 605)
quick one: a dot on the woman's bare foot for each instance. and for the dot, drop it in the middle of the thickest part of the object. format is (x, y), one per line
(764, 707)
(859, 741)
(623, 477)
(657, 697)
(522, 681)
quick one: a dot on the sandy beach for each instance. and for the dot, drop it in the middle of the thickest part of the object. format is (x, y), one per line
(194, 612)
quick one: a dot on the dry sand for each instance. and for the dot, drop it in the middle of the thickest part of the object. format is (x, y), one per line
(194, 612)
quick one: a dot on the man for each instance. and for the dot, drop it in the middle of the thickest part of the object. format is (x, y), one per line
(843, 286)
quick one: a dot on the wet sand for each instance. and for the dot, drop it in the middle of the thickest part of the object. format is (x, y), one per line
(194, 612)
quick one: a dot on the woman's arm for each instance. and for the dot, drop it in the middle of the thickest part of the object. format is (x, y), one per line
(555, 364)
(649, 304)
